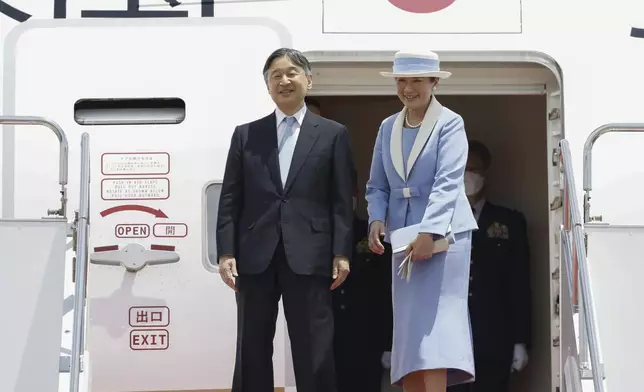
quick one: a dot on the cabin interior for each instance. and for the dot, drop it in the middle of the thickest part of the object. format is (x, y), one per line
(514, 128)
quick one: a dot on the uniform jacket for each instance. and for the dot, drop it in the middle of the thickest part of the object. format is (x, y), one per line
(500, 294)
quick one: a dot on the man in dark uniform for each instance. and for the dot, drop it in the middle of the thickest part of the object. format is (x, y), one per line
(363, 315)
(500, 294)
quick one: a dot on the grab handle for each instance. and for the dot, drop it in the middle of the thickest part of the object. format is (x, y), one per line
(62, 158)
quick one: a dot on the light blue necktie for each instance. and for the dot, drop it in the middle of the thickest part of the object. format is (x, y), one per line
(286, 148)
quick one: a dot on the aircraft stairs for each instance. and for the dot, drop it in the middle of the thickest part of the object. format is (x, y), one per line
(600, 271)
(34, 261)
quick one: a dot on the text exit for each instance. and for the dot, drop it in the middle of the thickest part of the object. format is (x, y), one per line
(151, 339)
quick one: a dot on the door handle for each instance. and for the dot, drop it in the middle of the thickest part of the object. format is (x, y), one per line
(134, 257)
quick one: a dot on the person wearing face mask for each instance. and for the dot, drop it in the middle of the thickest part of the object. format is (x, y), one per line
(416, 184)
(499, 294)
(362, 315)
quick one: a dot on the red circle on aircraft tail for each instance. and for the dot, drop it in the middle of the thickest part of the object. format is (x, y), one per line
(421, 6)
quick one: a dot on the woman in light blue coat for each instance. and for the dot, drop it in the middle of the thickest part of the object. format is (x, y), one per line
(416, 181)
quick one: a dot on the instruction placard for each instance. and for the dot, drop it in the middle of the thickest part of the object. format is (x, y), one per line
(135, 189)
(139, 163)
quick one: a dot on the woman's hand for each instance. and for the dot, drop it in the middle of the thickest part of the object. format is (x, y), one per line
(422, 247)
(376, 231)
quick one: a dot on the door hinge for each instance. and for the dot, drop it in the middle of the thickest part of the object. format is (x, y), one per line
(557, 305)
(556, 203)
(556, 152)
(555, 274)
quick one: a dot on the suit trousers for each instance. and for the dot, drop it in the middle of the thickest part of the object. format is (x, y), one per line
(308, 310)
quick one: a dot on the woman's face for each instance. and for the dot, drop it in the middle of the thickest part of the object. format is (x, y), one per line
(415, 93)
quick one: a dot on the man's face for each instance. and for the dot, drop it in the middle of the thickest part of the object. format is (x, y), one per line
(287, 83)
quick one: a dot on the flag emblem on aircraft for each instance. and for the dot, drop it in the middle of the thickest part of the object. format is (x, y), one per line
(422, 6)
(422, 16)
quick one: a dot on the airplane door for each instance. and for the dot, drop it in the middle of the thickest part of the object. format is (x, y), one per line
(160, 99)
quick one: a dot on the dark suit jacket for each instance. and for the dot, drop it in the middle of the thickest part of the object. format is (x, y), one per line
(500, 282)
(314, 211)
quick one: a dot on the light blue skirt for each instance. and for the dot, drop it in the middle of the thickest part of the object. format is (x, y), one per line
(431, 317)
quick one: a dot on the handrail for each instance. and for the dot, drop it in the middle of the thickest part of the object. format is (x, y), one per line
(63, 153)
(587, 303)
(566, 249)
(588, 156)
(81, 269)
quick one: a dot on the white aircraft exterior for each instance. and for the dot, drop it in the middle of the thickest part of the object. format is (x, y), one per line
(539, 81)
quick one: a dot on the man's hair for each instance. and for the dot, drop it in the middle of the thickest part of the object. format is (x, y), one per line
(312, 102)
(294, 55)
(479, 149)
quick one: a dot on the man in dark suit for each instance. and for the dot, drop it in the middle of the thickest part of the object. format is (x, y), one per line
(363, 315)
(284, 230)
(500, 294)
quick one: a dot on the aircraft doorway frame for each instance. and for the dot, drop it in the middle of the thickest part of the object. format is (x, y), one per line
(556, 130)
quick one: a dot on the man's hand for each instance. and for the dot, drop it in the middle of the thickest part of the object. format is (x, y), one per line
(422, 246)
(385, 360)
(228, 271)
(376, 232)
(340, 271)
(520, 359)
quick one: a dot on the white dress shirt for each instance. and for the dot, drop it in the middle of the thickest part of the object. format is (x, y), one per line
(281, 128)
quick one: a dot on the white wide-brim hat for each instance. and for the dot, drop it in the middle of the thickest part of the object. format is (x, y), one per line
(416, 65)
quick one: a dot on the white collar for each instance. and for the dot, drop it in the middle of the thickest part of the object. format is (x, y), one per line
(299, 115)
(425, 132)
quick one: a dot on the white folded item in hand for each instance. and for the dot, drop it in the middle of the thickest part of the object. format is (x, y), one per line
(401, 238)
(404, 269)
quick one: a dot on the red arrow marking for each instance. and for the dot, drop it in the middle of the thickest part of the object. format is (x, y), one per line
(106, 248)
(133, 207)
(162, 247)
(422, 6)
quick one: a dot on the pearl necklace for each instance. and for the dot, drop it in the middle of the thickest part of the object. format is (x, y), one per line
(408, 124)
